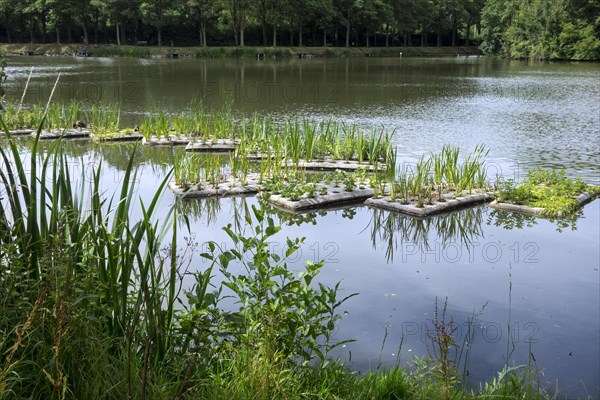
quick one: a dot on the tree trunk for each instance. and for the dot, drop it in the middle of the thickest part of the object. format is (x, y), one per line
(124, 34)
(274, 36)
(159, 36)
(468, 33)
(423, 39)
(291, 36)
(367, 39)
(454, 33)
(337, 35)
(242, 35)
(69, 35)
(348, 32)
(439, 36)
(96, 30)
(57, 36)
(85, 32)
(264, 34)
(203, 33)
(324, 37)
(31, 36)
(300, 36)
(8, 35)
(118, 33)
(387, 37)
(44, 28)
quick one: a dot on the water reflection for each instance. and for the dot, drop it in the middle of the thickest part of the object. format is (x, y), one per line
(288, 218)
(515, 220)
(394, 230)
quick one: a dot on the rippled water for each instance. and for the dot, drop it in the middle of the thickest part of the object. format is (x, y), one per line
(535, 278)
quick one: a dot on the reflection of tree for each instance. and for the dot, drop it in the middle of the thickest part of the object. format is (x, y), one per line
(395, 229)
(517, 220)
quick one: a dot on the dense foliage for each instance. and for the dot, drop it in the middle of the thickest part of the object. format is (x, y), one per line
(541, 29)
(547, 189)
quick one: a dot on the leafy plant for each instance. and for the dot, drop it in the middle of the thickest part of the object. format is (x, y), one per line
(267, 291)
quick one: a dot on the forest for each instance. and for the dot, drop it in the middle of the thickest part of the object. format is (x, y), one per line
(524, 29)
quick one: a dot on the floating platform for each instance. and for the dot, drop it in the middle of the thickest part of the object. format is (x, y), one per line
(335, 196)
(223, 189)
(213, 146)
(437, 207)
(18, 132)
(582, 199)
(65, 134)
(135, 137)
(171, 140)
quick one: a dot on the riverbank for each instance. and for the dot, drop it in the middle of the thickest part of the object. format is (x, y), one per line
(143, 51)
(89, 307)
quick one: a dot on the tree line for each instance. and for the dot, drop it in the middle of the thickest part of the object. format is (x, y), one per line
(515, 28)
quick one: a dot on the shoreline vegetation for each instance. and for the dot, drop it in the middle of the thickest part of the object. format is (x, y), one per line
(251, 52)
(301, 164)
(88, 306)
(520, 29)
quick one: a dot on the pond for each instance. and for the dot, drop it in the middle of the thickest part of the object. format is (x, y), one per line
(531, 285)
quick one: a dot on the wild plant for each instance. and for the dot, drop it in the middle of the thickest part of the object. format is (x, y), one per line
(267, 290)
(440, 345)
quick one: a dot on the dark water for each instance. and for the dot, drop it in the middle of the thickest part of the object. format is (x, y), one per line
(533, 285)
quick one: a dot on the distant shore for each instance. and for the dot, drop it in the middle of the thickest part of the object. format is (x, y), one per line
(143, 51)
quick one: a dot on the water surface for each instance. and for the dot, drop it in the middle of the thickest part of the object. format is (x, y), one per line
(530, 285)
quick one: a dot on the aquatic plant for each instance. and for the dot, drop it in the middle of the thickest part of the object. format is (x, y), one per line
(548, 189)
(62, 116)
(156, 123)
(104, 118)
(17, 117)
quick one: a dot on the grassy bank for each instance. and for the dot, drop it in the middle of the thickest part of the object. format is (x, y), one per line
(236, 52)
(88, 305)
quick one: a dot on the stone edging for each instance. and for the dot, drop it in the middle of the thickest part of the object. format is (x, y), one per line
(426, 210)
(223, 189)
(322, 201)
(208, 146)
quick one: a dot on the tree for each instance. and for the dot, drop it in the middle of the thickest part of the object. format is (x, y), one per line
(238, 12)
(201, 12)
(7, 16)
(156, 12)
(346, 12)
(371, 15)
(117, 14)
